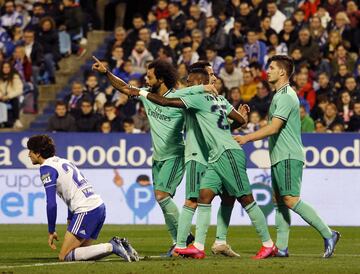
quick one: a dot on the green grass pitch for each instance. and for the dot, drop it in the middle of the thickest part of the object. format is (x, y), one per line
(23, 249)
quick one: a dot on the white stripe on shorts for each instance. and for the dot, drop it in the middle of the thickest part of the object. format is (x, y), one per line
(78, 222)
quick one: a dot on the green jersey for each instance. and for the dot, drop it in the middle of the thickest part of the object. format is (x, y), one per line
(286, 144)
(211, 113)
(166, 127)
(195, 146)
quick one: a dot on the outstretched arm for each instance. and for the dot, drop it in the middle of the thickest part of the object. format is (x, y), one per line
(163, 101)
(268, 130)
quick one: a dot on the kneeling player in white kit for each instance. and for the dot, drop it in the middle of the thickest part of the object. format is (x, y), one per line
(86, 210)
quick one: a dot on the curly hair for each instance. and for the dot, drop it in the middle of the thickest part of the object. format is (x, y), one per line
(165, 71)
(42, 144)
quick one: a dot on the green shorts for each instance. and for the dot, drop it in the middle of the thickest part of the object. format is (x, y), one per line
(194, 173)
(228, 173)
(286, 177)
(167, 175)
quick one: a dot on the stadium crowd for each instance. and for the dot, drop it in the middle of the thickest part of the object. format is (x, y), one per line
(34, 36)
(236, 37)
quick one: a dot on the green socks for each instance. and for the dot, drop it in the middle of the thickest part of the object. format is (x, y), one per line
(223, 220)
(202, 225)
(258, 220)
(312, 218)
(171, 215)
(184, 228)
(282, 223)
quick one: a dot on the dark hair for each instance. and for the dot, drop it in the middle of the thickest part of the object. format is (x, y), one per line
(10, 76)
(60, 103)
(255, 65)
(128, 120)
(108, 104)
(142, 178)
(87, 100)
(42, 144)
(285, 62)
(48, 19)
(202, 64)
(165, 71)
(138, 15)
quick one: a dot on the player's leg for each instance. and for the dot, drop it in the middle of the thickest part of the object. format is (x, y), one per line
(220, 245)
(83, 228)
(167, 175)
(232, 167)
(292, 169)
(194, 172)
(282, 216)
(210, 186)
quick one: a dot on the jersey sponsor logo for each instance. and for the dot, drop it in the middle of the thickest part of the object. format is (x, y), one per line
(158, 115)
(46, 178)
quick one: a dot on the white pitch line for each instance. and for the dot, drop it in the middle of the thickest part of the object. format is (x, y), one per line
(154, 257)
(73, 262)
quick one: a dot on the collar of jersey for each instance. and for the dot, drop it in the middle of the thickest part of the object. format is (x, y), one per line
(287, 84)
(166, 93)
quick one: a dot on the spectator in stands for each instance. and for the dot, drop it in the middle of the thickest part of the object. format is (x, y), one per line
(48, 37)
(126, 72)
(38, 12)
(309, 48)
(111, 116)
(221, 88)
(140, 119)
(176, 19)
(320, 127)
(140, 57)
(214, 59)
(307, 123)
(190, 25)
(73, 100)
(280, 48)
(299, 20)
(105, 127)
(93, 93)
(258, 73)
(248, 16)
(342, 24)
(331, 116)
(11, 88)
(277, 17)
(188, 56)
(262, 100)
(151, 21)
(288, 35)
(235, 97)
(318, 111)
(161, 10)
(340, 77)
(333, 7)
(352, 87)
(345, 106)
(337, 128)
(305, 89)
(133, 34)
(153, 45)
(215, 35)
(117, 58)
(342, 57)
(334, 40)
(241, 60)
(266, 30)
(162, 32)
(119, 40)
(198, 44)
(254, 122)
(175, 46)
(318, 32)
(326, 88)
(354, 123)
(236, 34)
(34, 52)
(248, 88)
(198, 15)
(61, 120)
(129, 126)
(72, 20)
(232, 76)
(20, 8)
(11, 17)
(88, 121)
(255, 49)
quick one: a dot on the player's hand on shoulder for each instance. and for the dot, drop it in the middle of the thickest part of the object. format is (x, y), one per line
(211, 89)
(51, 238)
(240, 139)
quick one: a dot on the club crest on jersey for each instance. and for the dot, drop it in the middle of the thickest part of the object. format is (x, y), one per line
(46, 178)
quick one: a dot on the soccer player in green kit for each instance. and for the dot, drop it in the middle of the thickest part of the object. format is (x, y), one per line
(168, 158)
(226, 166)
(287, 158)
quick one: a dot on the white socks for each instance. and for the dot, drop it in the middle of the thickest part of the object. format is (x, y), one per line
(92, 252)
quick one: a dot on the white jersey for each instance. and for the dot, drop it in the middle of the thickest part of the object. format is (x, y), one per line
(71, 185)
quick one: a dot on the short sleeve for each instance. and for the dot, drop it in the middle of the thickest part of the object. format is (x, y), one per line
(48, 175)
(180, 93)
(229, 107)
(193, 101)
(283, 107)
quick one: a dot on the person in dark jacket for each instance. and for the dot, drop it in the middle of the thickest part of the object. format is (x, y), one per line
(177, 19)
(61, 120)
(262, 100)
(354, 123)
(48, 37)
(88, 121)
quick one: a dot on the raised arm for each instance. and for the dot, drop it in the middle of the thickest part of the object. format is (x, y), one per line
(163, 101)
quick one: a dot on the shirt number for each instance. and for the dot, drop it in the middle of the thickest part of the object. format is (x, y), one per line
(79, 179)
(221, 121)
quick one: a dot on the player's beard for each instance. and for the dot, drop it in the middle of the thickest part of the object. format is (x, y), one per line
(155, 88)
